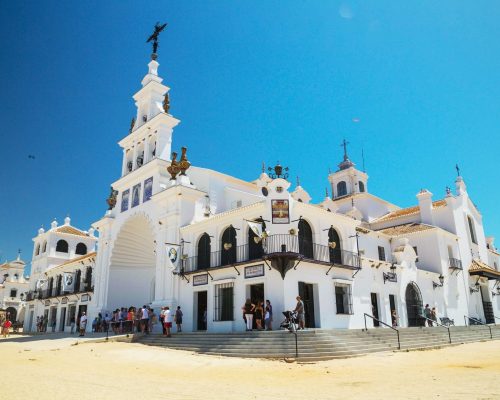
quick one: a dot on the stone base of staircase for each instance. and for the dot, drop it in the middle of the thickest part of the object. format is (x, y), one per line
(317, 344)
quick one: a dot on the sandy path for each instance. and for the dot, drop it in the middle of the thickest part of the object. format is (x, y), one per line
(55, 369)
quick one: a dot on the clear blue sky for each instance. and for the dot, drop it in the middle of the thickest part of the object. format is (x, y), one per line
(251, 81)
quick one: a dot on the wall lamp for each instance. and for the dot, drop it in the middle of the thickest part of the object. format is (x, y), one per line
(440, 284)
(390, 276)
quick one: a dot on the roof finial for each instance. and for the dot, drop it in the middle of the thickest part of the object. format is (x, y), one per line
(154, 38)
(263, 167)
(458, 169)
(298, 181)
(344, 145)
(326, 192)
(19, 255)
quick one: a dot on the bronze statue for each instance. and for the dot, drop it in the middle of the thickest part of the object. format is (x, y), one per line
(173, 169)
(154, 38)
(166, 103)
(111, 200)
(184, 164)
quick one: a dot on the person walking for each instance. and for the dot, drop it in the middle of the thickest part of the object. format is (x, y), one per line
(162, 320)
(178, 318)
(268, 316)
(248, 309)
(6, 327)
(427, 314)
(83, 324)
(299, 309)
(168, 322)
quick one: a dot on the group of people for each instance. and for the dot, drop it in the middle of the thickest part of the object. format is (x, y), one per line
(430, 315)
(166, 318)
(262, 315)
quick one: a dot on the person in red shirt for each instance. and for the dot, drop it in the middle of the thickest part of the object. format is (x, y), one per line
(6, 327)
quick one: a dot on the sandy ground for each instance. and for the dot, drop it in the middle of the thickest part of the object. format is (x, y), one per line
(56, 368)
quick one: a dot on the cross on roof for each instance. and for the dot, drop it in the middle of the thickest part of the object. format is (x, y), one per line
(344, 145)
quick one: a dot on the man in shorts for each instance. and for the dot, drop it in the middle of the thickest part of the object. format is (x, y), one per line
(167, 321)
(299, 308)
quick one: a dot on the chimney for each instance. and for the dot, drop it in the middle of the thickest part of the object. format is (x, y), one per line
(425, 204)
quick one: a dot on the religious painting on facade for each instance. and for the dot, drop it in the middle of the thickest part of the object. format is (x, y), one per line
(280, 211)
(148, 189)
(125, 196)
(136, 193)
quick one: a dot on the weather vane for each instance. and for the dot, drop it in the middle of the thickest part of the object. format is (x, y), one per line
(154, 38)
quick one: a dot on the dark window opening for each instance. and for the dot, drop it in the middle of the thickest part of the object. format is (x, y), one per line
(81, 249)
(62, 246)
(204, 252)
(341, 188)
(381, 253)
(223, 302)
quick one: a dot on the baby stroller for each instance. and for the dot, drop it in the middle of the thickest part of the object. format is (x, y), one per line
(290, 322)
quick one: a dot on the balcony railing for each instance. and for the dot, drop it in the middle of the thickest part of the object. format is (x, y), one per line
(47, 294)
(272, 245)
(455, 263)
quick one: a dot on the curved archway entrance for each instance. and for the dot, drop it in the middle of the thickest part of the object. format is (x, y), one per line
(414, 305)
(11, 314)
(132, 266)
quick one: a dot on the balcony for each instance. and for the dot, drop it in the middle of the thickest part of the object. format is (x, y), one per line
(271, 247)
(48, 294)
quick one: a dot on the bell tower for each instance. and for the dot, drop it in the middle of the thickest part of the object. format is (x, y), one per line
(150, 134)
(347, 180)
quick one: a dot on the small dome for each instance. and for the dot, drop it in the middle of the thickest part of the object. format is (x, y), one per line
(53, 224)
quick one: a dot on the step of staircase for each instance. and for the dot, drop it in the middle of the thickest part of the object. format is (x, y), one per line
(318, 344)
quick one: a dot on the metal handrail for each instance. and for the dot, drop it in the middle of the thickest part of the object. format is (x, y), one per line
(479, 322)
(437, 323)
(383, 323)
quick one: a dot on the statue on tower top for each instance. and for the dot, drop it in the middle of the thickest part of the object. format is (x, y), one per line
(154, 38)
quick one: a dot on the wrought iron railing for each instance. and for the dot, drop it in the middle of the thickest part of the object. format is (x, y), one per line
(455, 263)
(272, 245)
(49, 293)
(473, 321)
(383, 323)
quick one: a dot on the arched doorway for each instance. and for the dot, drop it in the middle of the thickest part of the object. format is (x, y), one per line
(132, 265)
(11, 313)
(414, 305)
(305, 239)
(228, 246)
(334, 246)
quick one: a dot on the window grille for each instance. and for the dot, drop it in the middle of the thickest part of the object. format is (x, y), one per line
(343, 298)
(223, 302)
(381, 253)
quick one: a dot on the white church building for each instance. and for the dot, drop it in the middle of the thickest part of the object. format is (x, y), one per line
(177, 234)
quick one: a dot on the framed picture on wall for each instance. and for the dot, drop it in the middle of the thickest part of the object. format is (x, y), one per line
(148, 189)
(280, 211)
(136, 194)
(125, 196)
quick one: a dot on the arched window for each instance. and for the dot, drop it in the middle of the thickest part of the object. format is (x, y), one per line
(341, 188)
(62, 246)
(37, 251)
(334, 246)
(255, 249)
(361, 186)
(471, 230)
(305, 239)
(81, 249)
(44, 247)
(203, 252)
(228, 246)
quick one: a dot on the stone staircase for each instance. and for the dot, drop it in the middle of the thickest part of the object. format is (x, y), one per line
(317, 344)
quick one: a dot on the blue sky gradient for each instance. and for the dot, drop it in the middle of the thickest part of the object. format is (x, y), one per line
(251, 82)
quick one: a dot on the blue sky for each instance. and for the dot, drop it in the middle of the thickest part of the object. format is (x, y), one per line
(251, 82)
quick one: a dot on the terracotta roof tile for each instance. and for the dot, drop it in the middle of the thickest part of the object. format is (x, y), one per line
(70, 230)
(405, 229)
(478, 265)
(408, 211)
